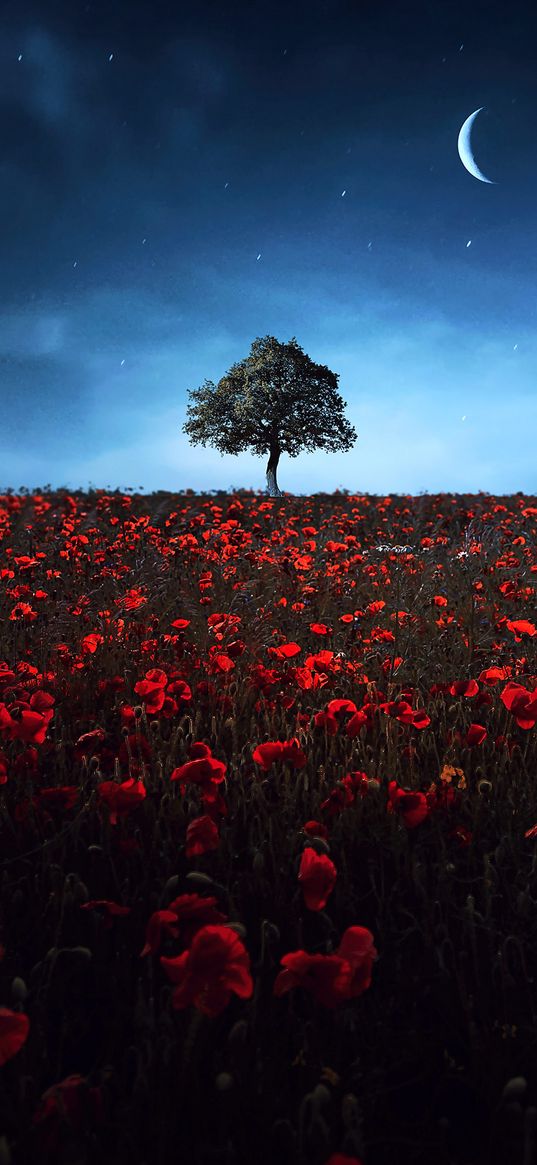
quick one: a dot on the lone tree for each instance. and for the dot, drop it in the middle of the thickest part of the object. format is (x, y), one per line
(274, 401)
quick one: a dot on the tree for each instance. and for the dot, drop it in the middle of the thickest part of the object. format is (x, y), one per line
(274, 401)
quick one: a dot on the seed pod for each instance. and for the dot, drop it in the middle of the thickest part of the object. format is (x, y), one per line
(19, 990)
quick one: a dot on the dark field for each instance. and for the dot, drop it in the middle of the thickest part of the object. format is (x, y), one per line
(268, 812)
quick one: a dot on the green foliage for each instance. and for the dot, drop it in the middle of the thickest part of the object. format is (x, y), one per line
(276, 398)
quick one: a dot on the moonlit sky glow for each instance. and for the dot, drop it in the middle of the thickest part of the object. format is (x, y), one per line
(179, 178)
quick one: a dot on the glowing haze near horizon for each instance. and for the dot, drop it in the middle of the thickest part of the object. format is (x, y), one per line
(176, 180)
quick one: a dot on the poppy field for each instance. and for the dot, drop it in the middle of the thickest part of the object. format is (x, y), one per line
(268, 813)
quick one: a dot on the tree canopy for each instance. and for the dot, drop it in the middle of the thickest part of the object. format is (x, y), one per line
(277, 400)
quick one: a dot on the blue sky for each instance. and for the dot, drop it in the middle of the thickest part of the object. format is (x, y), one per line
(138, 191)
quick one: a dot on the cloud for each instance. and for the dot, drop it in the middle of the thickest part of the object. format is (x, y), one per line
(32, 333)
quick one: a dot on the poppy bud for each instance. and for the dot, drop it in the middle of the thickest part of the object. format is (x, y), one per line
(320, 1096)
(284, 1138)
(318, 844)
(81, 893)
(238, 1035)
(19, 990)
(138, 712)
(351, 1113)
(154, 725)
(484, 786)
(170, 887)
(94, 764)
(237, 927)
(272, 934)
(199, 879)
(514, 1090)
(125, 731)
(224, 1082)
(258, 863)
(318, 1133)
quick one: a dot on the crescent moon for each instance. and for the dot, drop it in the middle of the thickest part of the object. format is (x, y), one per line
(464, 146)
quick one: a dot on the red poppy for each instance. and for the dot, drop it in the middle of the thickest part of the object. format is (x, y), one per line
(283, 750)
(206, 771)
(326, 977)
(192, 912)
(160, 920)
(317, 876)
(315, 829)
(521, 703)
(72, 1100)
(412, 806)
(464, 688)
(64, 797)
(476, 734)
(343, 1159)
(521, 627)
(121, 798)
(201, 836)
(14, 1028)
(327, 721)
(110, 909)
(216, 964)
(358, 949)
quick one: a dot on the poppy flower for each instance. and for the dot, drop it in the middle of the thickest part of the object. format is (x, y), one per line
(160, 920)
(412, 806)
(521, 703)
(201, 836)
(358, 949)
(71, 1100)
(216, 964)
(14, 1028)
(110, 909)
(192, 912)
(326, 977)
(121, 798)
(343, 1159)
(476, 734)
(317, 876)
(205, 771)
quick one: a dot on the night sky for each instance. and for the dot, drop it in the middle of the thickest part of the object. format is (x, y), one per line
(177, 179)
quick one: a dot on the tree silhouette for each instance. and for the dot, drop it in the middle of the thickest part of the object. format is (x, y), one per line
(274, 401)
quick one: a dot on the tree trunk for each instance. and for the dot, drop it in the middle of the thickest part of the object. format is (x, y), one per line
(272, 484)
